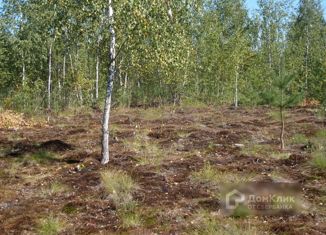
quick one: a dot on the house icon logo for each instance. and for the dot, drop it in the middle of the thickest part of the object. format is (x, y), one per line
(234, 199)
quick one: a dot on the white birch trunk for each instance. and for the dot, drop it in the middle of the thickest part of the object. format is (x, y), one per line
(64, 70)
(236, 99)
(24, 70)
(97, 76)
(50, 77)
(125, 84)
(111, 75)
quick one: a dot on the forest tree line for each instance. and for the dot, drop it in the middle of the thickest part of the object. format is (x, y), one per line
(54, 54)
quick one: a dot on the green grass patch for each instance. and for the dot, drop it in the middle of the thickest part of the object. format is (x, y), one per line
(130, 218)
(204, 223)
(299, 139)
(319, 160)
(241, 211)
(280, 155)
(192, 103)
(114, 129)
(69, 209)
(319, 141)
(208, 174)
(276, 115)
(50, 226)
(43, 157)
(256, 150)
(321, 134)
(120, 186)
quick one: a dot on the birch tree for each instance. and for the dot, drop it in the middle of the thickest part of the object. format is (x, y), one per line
(306, 50)
(111, 76)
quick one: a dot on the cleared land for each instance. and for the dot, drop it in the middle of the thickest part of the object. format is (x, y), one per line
(167, 165)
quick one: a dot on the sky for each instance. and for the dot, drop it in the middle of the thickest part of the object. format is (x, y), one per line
(252, 5)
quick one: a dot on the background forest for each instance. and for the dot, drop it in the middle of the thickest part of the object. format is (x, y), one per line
(54, 54)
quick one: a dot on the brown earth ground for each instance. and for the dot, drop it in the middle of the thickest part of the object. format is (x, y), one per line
(241, 142)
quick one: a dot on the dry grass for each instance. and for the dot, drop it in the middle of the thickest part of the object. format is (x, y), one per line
(148, 152)
(299, 139)
(208, 174)
(120, 186)
(205, 223)
(54, 189)
(256, 150)
(319, 160)
(152, 114)
(50, 226)
(12, 120)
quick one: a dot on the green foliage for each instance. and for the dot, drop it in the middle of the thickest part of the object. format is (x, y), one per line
(280, 96)
(27, 99)
(205, 52)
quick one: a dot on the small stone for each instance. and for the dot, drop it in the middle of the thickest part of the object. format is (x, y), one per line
(239, 145)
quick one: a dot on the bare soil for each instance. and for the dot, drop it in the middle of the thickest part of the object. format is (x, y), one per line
(168, 198)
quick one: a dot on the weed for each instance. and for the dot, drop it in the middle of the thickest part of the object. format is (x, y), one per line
(50, 226)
